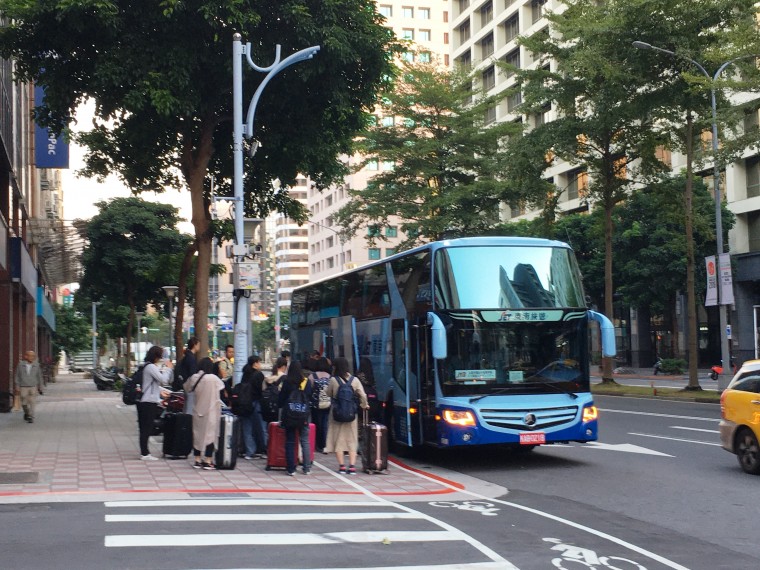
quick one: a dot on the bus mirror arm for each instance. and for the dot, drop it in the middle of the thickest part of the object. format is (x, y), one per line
(608, 333)
(438, 334)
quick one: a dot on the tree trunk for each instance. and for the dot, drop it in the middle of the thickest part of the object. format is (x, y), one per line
(691, 301)
(187, 264)
(608, 363)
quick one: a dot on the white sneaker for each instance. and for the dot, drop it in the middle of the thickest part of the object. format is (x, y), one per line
(148, 457)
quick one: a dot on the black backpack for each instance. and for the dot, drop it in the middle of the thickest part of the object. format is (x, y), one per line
(344, 403)
(241, 399)
(178, 380)
(269, 400)
(295, 413)
(132, 391)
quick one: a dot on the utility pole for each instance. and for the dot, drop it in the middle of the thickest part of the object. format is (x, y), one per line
(241, 250)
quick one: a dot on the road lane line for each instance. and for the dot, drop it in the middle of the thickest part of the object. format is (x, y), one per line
(280, 539)
(460, 566)
(209, 517)
(619, 541)
(696, 429)
(610, 411)
(674, 438)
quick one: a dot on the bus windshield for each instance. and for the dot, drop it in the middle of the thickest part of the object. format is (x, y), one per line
(529, 356)
(513, 277)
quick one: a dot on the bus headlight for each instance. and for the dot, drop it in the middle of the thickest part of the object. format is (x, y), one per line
(458, 417)
(590, 413)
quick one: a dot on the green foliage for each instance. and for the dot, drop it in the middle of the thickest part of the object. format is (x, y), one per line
(133, 250)
(673, 365)
(72, 331)
(447, 163)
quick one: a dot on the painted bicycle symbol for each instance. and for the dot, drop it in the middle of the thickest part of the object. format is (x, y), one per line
(483, 507)
(573, 557)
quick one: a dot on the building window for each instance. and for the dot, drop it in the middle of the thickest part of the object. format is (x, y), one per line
(407, 12)
(753, 230)
(423, 13)
(373, 231)
(464, 32)
(388, 121)
(486, 13)
(328, 201)
(489, 79)
(464, 61)
(424, 57)
(373, 253)
(463, 5)
(512, 27)
(513, 101)
(445, 16)
(537, 8)
(751, 123)
(512, 58)
(388, 165)
(407, 34)
(386, 11)
(486, 46)
(330, 242)
(424, 36)
(752, 167)
(490, 115)
(446, 59)
(408, 57)
(577, 183)
(390, 251)
(391, 231)
(446, 38)
(371, 165)
(330, 262)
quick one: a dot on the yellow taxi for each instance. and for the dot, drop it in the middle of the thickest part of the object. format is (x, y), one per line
(740, 410)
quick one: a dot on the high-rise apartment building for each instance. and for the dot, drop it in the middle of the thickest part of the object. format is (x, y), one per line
(425, 25)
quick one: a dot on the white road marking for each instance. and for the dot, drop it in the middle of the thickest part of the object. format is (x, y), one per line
(674, 438)
(281, 539)
(695, 429)
(626, 447)
(619, 541)
(240, 503)
(209, 517)
(463, 566)
(695, 418)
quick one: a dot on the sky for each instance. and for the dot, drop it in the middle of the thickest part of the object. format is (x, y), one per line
(81, 194)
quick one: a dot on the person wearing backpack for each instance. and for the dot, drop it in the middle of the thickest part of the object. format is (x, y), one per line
(270, 392)
(295, 399)
(343, 425)
(320, 401)
(242, 402)
(154, 381)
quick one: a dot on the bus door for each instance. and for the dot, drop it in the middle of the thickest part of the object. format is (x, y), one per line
(400, 417)
(425, 425)
(344, 339)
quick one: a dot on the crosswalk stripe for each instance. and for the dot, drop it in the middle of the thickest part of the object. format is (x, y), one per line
(240, 503)
(289, 539)
(212, 517)
(463, 566)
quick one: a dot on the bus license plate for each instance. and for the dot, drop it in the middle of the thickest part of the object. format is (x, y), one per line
(532, 438)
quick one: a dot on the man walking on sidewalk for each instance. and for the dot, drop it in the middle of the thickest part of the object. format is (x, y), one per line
(28, 383)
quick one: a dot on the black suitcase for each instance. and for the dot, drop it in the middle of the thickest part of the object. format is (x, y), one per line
(374, 446)
(229, 442)
(178, 435)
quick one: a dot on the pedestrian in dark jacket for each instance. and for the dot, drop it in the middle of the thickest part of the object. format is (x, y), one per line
(253, 425)
(295, 380)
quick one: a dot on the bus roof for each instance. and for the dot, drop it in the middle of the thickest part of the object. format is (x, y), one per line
(457, 242)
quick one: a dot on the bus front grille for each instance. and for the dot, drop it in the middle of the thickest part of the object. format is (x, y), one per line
(529, 419)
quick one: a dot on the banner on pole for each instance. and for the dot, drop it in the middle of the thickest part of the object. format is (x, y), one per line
(711, 298)
(726, 281)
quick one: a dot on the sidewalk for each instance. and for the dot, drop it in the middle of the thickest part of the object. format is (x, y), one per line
(83, 446)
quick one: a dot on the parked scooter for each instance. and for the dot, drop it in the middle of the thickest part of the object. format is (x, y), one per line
(657, 366)
(717, 370)
(103, 379)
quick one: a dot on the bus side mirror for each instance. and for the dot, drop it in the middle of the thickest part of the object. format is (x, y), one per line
(438, 336)
(608, 333)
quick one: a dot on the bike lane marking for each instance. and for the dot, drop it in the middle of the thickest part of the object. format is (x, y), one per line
(619, 541)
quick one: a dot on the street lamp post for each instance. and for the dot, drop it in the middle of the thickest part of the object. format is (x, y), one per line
(171, 291)
(340, 241)
(724, 348)
(241, 129)
(139, 315)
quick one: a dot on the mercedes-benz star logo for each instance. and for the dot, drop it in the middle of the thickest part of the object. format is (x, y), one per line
(529, 419)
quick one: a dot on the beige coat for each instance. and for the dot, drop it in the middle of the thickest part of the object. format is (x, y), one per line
(207, 409)
(344, 436)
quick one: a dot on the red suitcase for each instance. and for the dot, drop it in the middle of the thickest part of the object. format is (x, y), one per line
(276, 446)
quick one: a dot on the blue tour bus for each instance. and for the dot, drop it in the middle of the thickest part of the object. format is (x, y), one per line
(471, 341)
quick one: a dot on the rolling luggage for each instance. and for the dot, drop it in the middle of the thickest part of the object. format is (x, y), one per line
(178, 435)
(229, 442)
(374, 446)
(276, 446)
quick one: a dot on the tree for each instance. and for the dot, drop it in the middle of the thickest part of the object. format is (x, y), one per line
(447, 162)
(160, 74)
(132, 251)
(72, 332)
